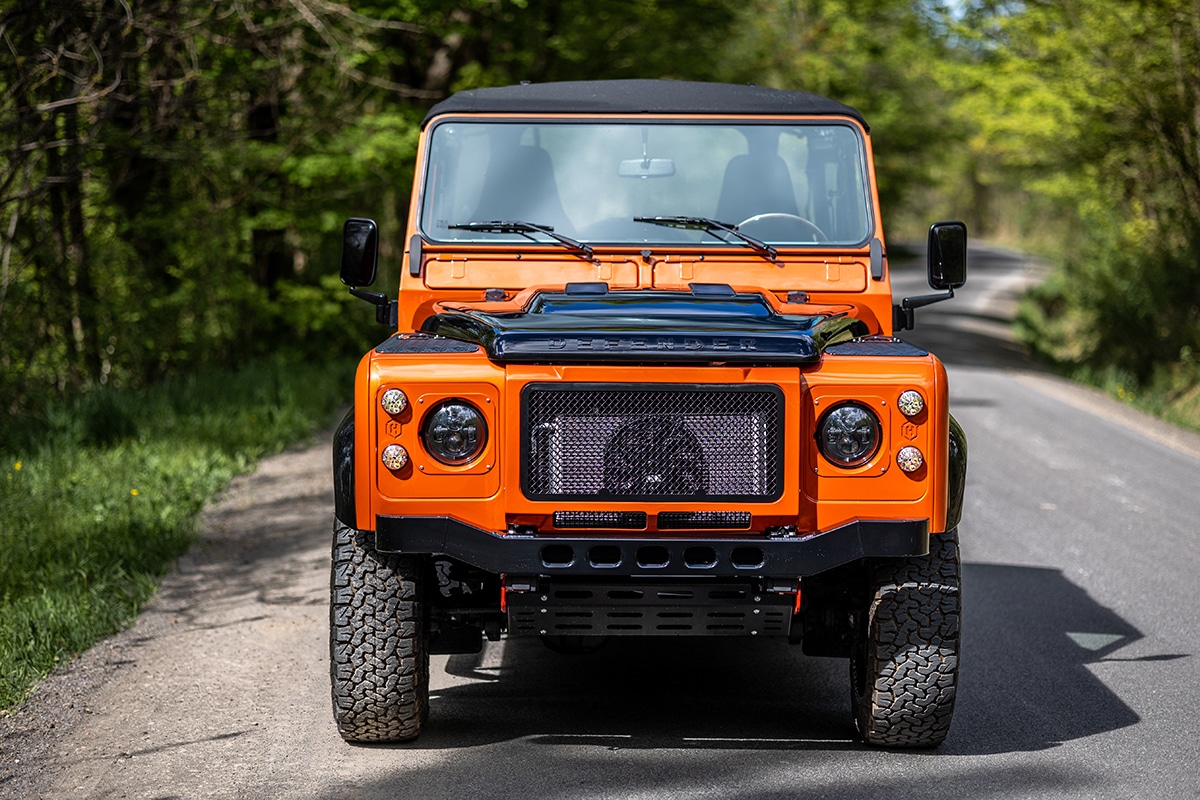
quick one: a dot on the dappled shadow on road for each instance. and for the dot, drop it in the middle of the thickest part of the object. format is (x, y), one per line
(1029, 636)
(264, 543)
(970, 340)
(960, 336)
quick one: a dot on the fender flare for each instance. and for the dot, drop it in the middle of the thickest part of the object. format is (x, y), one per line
(343, 471)
(957, 478)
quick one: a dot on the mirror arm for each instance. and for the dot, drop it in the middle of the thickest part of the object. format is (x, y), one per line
(903, 318)
(386, 311)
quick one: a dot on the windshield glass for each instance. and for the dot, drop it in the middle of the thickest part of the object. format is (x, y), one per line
(616, 182)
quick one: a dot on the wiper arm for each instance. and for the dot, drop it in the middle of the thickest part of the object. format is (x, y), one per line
(710, 225)
(520, 226)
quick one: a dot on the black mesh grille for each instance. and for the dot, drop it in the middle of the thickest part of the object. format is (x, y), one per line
(682, 520)
(652, 442)
(625, 520)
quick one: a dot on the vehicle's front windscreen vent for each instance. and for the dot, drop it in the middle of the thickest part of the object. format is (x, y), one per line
(652, 442)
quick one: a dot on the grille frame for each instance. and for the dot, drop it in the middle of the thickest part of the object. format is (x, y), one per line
(773, 436)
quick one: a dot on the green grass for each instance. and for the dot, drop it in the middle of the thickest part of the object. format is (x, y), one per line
(1172, 393)
(100, 495)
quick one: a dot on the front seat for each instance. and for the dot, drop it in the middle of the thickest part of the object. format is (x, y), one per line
(520, 185)
(755, 184)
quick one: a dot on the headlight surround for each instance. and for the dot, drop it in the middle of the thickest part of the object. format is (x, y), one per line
(454, 432)
(849, 434)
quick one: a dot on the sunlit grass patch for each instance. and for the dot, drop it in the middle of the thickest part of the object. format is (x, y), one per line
(100, 495)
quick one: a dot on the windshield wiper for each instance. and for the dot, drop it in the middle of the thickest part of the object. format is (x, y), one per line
(711, 225)
(520, 226)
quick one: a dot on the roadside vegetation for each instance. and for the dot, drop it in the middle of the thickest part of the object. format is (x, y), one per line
(175, 174)
(99, 495)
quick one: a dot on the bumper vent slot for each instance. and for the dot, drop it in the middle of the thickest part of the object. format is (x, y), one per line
(613, 520)
(697, 520)
(652, 442)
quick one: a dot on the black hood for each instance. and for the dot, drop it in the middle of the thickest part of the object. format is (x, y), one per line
(647, 327)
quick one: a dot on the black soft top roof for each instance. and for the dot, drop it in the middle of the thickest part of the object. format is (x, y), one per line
(639, 97)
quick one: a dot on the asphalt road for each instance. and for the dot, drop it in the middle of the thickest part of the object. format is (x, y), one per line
(1078, 677)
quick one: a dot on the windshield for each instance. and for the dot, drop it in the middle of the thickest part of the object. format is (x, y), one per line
(616, 182)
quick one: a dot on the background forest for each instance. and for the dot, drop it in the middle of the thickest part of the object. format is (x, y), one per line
(175, 172)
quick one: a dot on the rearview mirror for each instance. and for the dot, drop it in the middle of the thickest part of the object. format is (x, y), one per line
(947, 255)
(360, 252)
(646, 168)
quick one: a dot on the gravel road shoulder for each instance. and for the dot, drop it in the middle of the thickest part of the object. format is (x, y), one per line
(194, 694)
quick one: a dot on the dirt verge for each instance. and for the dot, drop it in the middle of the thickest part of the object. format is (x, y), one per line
(181, 703)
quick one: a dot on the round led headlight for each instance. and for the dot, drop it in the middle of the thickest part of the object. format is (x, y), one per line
(909, 459)
(454, 432)
(393, 401)
(394, 456)
(910, 403)
(849, 434)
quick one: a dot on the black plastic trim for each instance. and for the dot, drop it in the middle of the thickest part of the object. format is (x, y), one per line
(957, 479)
(424, 343)
(783, 557)
(876, 346)
(343, 471)
(638, 327)
(711, 607)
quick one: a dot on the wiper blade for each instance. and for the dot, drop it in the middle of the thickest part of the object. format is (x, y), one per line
(710, 225)
(520, 226)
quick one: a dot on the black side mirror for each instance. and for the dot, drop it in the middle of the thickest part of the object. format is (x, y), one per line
(360, 259)
(947, 255)
(947, 271)
(360, 252)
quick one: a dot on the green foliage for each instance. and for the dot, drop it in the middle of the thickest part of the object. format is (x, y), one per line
(1101, 119)
(882, 58)
(99, 495)
(211, 154)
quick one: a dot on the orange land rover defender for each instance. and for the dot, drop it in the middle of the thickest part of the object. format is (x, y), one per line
(644, 381)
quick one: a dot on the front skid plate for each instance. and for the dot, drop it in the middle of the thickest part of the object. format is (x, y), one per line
(716, 608)
(749, 555)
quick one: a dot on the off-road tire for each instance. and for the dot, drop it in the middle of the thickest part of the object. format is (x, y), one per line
(379, 655)
(904, 665)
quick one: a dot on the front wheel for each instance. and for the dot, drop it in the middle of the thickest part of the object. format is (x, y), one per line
(379, 652)
(904, 664)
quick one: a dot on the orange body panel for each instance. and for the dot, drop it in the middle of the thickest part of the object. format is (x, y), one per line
(816, 496)
(487, 494)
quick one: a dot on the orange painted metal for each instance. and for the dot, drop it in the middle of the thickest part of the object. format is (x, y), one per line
(486, 493)
(816, 494)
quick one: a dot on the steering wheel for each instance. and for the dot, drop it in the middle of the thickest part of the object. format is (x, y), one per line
(778, 226)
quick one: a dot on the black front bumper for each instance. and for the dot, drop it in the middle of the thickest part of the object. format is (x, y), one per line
(757, 555)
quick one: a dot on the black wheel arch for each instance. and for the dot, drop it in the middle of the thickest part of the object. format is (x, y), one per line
(957, 478)
(343, 471)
